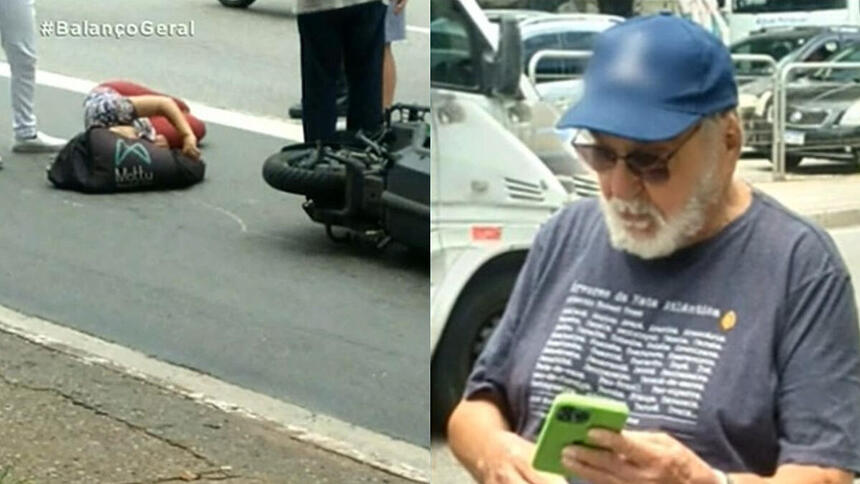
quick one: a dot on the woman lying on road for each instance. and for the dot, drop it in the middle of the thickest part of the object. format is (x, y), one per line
(134, 111)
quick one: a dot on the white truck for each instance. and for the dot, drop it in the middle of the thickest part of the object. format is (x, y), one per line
(491, 189)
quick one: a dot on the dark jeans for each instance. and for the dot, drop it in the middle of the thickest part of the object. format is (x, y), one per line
(351, 37)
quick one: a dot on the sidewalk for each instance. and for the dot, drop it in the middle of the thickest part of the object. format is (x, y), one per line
(70, 422)
(826, 192)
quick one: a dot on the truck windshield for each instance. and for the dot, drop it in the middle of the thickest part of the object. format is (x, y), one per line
(761, 6)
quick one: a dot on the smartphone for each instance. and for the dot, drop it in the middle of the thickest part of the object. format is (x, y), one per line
(568, 421)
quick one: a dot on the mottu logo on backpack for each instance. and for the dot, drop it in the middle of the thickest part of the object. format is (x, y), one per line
(132, 165)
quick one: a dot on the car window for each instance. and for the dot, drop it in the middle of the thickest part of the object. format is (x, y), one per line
(851, 53)
(553, 68)
(541, 42)
(537, 43)
(575, 41)
(823, 51)
(453, 41)
(579, 40)
(774, 46)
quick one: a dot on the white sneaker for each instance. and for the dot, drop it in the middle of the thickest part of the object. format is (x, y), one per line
(41, 143)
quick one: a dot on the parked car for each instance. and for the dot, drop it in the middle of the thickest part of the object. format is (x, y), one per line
(822, 113)
(547, 31)
(789, 44)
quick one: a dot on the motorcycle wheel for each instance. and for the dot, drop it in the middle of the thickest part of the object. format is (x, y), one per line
(320, 182)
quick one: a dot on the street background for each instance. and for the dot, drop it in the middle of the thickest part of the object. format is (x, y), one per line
(230, 277)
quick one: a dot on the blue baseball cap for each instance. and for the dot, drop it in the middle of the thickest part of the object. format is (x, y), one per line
(651, 78)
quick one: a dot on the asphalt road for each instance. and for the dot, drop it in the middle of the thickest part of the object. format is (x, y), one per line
(229, 277)
(246, 60)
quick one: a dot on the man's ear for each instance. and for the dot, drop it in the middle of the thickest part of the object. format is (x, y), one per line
(734, 134)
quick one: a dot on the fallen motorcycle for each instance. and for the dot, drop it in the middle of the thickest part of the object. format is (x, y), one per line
(377, 187)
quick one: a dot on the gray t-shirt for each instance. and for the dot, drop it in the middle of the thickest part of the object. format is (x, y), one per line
(744, 347)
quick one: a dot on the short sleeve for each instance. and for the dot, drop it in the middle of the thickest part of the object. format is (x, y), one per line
(493, 367)
(818, 360)
(106, 108)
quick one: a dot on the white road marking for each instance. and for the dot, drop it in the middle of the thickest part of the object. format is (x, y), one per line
(374, 449)
(74, 204)
(267, 125)
(226, 212)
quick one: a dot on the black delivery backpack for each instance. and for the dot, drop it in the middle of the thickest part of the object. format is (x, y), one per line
(101, 161)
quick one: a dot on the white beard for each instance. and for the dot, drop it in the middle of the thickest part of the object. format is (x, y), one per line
(667, 235)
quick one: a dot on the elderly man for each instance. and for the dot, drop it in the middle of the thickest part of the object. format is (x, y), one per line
(724, 321)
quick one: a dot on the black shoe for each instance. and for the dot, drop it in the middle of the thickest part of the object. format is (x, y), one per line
(341, 104)
(295, 111)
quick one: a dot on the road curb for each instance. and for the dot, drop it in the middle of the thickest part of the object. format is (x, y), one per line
(833, 219)
(376, 450)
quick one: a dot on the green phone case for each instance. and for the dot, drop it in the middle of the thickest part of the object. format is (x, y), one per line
(569, 419)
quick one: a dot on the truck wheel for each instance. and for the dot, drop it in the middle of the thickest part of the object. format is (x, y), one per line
(236, 3)
(286, 172)
(476, 314)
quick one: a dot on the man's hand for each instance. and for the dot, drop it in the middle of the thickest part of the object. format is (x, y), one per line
(189, 146)
(508, 461)
(640, 457)
(399, 5)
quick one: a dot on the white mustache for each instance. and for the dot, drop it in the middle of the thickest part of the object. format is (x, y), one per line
(636, 208)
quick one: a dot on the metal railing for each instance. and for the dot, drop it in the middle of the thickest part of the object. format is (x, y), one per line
(780, 99)
(771, 62)
(555, 54)
(586, 54)
(757, 58)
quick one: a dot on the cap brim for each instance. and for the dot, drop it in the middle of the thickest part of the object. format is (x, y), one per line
(617, 117)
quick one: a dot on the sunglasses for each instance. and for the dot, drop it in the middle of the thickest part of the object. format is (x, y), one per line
(648, 167)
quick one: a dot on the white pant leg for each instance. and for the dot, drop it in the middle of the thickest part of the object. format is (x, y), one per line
(18, 33)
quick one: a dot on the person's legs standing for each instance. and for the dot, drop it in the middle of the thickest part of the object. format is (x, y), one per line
(295, 110)
(395, 30)
(19, 41)
(322, 54)
(363, 44)
(389, 77)
(18, 31)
